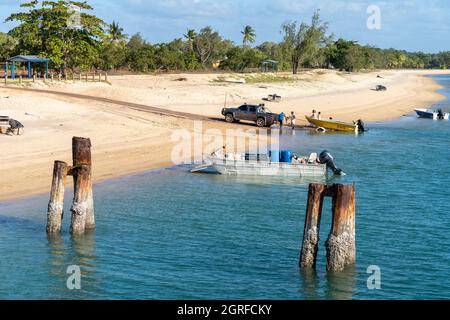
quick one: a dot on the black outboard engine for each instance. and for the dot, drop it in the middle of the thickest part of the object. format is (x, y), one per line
(361, 127)
(440, 114)
(326, 158)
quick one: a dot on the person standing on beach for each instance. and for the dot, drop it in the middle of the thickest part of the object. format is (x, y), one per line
(293, 118)
(281, 118)
(319, 116)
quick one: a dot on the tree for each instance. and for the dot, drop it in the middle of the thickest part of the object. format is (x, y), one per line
(7, 46)
(140, 55)
(303, 44)
(249, 35)
(59, 30)
(190, 36)
(238, 59)
(206, 45)
(115, 33)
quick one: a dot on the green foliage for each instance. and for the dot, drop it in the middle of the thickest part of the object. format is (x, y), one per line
(7, 46)
(249, 35)
(47, 29)
(303, 44)
(238, 59)
(209, 47)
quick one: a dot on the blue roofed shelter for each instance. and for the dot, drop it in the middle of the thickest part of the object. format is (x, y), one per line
(25, 59)
(269, 65)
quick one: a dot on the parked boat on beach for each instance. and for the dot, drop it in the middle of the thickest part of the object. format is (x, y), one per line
(276, 163)
(337, 125)
(432, 114)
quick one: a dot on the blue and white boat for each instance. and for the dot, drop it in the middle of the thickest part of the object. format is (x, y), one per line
(432, 114)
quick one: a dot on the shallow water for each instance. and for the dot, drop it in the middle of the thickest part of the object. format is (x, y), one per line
(169, 234)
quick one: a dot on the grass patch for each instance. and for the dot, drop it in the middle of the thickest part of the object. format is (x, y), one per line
(269, 78)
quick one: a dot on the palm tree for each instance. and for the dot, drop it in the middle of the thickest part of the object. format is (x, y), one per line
(249, 35)
(115, 32)
(190, 36)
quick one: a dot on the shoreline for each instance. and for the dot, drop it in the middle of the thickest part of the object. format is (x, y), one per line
(131, 149)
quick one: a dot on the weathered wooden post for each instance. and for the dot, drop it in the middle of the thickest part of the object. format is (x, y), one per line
(56, 203)
(93, 77)
(20, 79)
(34, 77)
(86, 77)
(59, 77)
(310, 243)
(99, 77)
(53, 77)
(341, 246)
(81, 153)
(80, 206)
(80, 75)
(106, 77)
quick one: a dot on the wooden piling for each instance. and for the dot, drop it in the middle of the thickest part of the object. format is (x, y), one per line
(310, 243)
(56, 203)
(106, 77)
(53, 77)
(341, 247)
(80, 75)
(81, 153)
(80, 205)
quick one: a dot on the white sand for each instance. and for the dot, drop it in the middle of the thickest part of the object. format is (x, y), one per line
(126, 141)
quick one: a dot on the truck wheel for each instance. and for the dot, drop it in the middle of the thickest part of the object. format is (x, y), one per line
(229, 118)
(261, 122)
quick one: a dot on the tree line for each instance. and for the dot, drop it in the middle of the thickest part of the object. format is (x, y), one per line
(75, 39)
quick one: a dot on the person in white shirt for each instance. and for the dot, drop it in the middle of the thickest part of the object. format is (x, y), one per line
(314, 115)
(293, 118)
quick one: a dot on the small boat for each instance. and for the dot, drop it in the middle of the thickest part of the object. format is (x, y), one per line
(432, 114)
(337, 125)
(284, 163)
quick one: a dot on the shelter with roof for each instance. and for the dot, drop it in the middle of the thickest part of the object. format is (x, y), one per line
(31, 61)
(269, 65)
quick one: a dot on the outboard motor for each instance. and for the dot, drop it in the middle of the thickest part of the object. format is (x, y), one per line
(440, 114)
(361, 127)
(326, 158)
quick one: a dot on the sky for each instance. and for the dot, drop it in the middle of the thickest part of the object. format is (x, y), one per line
(413, 25)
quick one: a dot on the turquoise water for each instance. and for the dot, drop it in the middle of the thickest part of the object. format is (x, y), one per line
(169, 234)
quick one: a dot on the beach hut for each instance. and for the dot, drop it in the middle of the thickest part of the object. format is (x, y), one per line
(30, 60)
(269, 65)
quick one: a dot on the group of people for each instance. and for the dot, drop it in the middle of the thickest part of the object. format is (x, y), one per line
(290, 120)
(316, 115)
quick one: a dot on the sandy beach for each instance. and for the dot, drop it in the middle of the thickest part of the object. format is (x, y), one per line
(127, 140)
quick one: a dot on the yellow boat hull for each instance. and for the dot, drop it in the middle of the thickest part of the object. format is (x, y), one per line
(334, 125)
